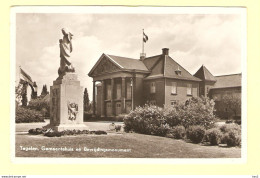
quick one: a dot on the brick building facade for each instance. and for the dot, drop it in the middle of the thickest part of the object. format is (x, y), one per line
(218, 87)
(120, 84)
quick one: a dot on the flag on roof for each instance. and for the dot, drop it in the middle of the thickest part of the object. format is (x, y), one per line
(25, 77)
(145, 37)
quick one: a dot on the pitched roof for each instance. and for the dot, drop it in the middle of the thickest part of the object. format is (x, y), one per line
(165, 66)
(150, 61)
(128, 63)
(226, 81)
(171, 66)
(121, 63)
(204, 74)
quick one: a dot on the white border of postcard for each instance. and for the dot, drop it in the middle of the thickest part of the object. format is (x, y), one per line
(130, 10)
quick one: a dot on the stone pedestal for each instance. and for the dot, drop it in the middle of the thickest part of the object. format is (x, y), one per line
(66, 104)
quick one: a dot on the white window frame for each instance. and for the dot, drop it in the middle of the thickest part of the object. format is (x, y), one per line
(152, 87)
(189, 89)
(174, 88)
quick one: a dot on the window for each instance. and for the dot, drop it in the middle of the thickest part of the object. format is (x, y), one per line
(201, 91)
(174, 88)
(109, 105)
(189, 88)
(174, 102)
(128, 90)
(108, 92)
(178, 71)
(152, 87)
(118, 91)
(152, 102)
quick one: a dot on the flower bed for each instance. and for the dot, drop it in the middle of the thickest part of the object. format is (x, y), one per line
(52, 133)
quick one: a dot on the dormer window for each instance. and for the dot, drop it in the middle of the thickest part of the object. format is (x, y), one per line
(178, 71)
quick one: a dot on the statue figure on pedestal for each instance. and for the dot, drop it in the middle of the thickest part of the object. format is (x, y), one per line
(66, 94)
(65, 50)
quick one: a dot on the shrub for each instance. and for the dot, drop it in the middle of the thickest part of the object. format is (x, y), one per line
(147, 120)
(40, 104)
(238, 122)
(161, 130)
(154, 120)
(232, 134)
(37, 131)
(230, 127)
(53, 134)
(25, 115)
(177, 132)
(229, 122)
(100, 132)
(198, 111)
(74, 132)
(67, 132)
(195, 133)
(118, 127)
(213, 136)
(232, 138)
(174, 115)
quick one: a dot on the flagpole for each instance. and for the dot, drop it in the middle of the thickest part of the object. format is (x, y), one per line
(143, 42)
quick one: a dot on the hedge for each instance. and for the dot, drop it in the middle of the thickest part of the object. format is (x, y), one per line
(154, 120)
(25, 115)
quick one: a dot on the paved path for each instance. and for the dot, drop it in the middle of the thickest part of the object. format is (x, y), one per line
(99, 125)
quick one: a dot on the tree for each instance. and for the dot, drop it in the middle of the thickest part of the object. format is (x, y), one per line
(24, 95)
(232, 103)
(86, 100)
(44, 91)
(34, 91)
(18, 93)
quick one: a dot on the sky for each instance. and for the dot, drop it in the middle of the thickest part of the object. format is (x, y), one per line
(213, 40)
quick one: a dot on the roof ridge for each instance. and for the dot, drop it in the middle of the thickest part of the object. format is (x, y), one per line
(110, 58)
(153, 56)
(122, 57)
(156, 63)
(203, 69)
(209, 71)
(228, 74)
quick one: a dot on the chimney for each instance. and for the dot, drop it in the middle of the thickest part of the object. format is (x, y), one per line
(165, 51)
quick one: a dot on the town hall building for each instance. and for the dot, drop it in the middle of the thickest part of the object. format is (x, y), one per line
(121, 84)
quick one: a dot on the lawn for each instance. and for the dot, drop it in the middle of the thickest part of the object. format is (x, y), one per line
(134, 146)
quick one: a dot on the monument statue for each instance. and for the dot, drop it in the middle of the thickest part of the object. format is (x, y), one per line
(65, 50)
(66, 94)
